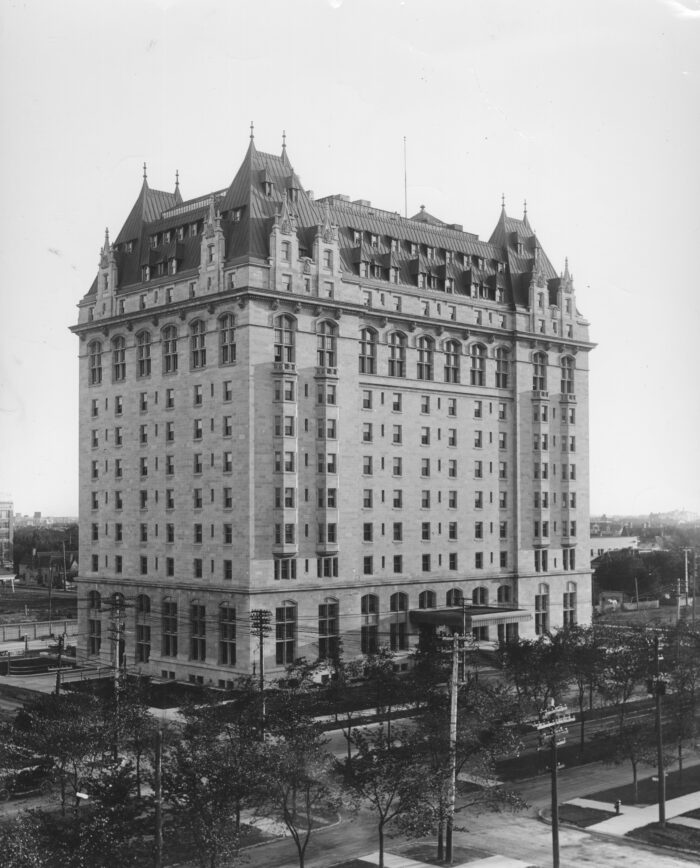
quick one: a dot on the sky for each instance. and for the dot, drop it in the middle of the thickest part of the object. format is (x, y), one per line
(590, 111)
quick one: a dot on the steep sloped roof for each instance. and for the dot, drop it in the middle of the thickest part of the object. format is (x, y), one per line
(148, 207)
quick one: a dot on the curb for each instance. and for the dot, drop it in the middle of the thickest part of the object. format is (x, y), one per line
(640, 845)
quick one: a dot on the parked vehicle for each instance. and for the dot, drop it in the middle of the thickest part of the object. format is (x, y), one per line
(26, 781)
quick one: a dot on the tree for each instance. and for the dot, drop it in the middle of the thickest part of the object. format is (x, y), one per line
(682, 653)
(387, 776)
(197, 783)
(297, 773)
(535, 668)
(486, 732)
(583, 660)
(386, 687)
(20, 843)
(68, 729)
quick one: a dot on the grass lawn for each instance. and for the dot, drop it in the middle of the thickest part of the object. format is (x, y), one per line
(583, 817)
(648, 792)
(672, 836)
(426, 852)
(356, 863)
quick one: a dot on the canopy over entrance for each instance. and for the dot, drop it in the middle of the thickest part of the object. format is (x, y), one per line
(452, 617)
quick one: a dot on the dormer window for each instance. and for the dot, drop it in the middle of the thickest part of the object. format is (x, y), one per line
(129, 246)
(210, 253)
(394, 244)
(429, 252)
(153, 240)
(376, 271)
(449, 257)
(394, 275)
(146, 273)
(166, 237)
(363, 269)
(356, 237)
(519, 248)
(173, 266)
(236, 215)
(500, 294)
(501, 267)
(267, 188)
(413, 248)
(421, 280)
(568, 306)
(180, 233)
(286, 251)
(374, 241)
(449, 284)
(193, 230)
(328, 259)
(540, 301)
(293, 195)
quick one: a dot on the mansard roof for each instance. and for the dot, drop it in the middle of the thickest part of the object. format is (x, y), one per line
(266, 183)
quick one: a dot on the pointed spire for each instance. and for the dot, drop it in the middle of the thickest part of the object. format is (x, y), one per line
(177, 179)
(252, 131)
(106, 244)
(524, 210)
(284, 140)
(145, 173)
(503, 202)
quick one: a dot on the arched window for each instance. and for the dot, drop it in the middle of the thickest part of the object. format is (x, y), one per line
(143, 628)
(143, 354)
(568, 366)
(95, 362)
(118, 359)
(198, 631)
(427, 600)
(455, 597)
(570, 604)
(328, 630)
(285, 632)
(198, 350)
(480, 596)
(542, 609)
(169, 628)
(117, 602)
(397, 355)
(325, 345)
(170, 350)
(227, 635)
(504, 594)
(94, 600)
(502, 367)
(539, 372)
(369, 608)
(453, 351)
(227, 339)
(478, 370)
(398, 627)
(425, 358)
(368, 351)
(284, 339)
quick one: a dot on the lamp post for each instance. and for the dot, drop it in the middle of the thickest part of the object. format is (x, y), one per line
(550, 724)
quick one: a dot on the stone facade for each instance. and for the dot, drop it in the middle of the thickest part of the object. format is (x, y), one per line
(331, 413)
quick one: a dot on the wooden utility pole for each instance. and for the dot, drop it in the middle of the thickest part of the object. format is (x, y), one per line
(452, 786)
(260, 626)
(158, 795)
(657, 686)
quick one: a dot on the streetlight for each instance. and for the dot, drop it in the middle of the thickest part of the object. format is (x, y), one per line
(550, 724)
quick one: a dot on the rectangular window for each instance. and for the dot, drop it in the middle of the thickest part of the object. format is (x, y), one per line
(425, 499)
(328, 631)
(396, 434)
(198, 632)
(452, 530)
(398, 531)
(169, 629)
(451, 406)
(285, 634)
(397, 498)
(227, 636)
(367, 465)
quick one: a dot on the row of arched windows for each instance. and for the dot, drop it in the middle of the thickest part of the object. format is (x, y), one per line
(326, 337)
(170, 349)
(398, 602)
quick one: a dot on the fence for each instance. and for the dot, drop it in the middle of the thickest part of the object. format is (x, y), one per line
(37, 630)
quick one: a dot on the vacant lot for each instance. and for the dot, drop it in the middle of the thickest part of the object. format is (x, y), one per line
(32, 604)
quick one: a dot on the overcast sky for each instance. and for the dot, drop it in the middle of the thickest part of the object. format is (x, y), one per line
(589, 110)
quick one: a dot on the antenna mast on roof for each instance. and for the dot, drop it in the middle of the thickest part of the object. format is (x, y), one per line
(405, 181)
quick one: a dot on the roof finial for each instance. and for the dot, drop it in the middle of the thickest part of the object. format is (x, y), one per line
(106, 238)
(503, 201)
(284, 140)
(145, 173)
(252, 131)
(525, 210)
(177, 179)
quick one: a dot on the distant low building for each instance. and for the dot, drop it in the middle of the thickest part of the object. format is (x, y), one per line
(602, 544)
(43, 568)
(6, 531)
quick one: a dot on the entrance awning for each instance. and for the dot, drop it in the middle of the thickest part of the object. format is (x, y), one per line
(452, 617)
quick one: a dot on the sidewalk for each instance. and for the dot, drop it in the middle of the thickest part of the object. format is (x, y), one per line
(632, 817)
(391, 860)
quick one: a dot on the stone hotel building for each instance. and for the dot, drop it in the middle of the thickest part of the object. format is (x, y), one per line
(366, 425)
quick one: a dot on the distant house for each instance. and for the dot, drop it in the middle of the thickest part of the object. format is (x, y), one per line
(45, 568)
(602, 544)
